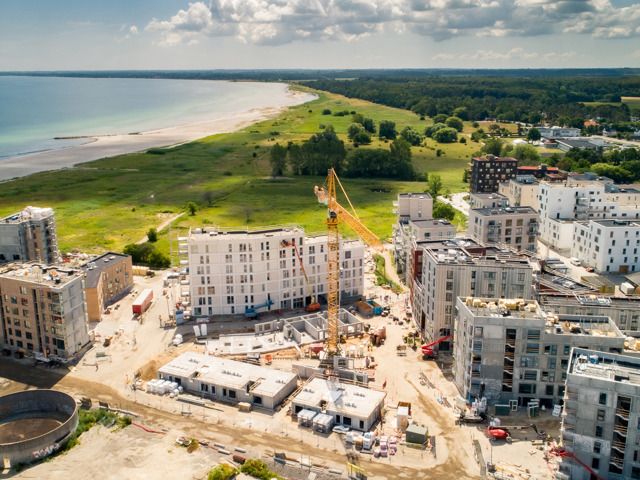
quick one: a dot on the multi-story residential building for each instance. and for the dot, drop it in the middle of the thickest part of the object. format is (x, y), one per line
(29, 236)
(487, 200)
(413, 206)
(623, 311)
(108, 278)
(43, 310)
(607, 245)
(601, 416)
(562, 204)
(442, 271)
(510, 350)
(521, 191)
(233, 272)
(554, 132)
(513, 227)
(486, 173)
(406, 236)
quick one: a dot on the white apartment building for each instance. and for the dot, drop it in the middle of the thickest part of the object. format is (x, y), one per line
(552, 132)
(521, 191)
(513, 227)
(607, 245)
(29, 236)
(561, 204)
(413, 206)
(461, 267)
(235, 272)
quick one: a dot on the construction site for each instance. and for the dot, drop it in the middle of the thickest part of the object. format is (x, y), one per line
(340, 390)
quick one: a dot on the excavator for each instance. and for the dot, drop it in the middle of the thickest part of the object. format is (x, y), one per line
(313, 306)
(327, 195)
(427, 350)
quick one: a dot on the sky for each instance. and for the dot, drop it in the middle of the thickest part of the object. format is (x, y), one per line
(317, 34)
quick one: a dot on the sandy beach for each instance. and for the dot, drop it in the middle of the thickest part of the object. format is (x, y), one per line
(109, 146)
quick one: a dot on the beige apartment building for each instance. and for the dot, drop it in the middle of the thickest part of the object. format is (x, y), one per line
(108, 278)
(513, 227)
(43, 310)
(521, 191)
(29, 236)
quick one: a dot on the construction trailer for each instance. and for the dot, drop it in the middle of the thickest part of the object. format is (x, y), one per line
(143, 302)
(229, 380)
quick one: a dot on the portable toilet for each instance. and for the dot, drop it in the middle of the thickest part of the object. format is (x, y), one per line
(402, 418)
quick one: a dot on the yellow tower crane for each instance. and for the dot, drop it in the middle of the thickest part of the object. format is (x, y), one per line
(327, 196)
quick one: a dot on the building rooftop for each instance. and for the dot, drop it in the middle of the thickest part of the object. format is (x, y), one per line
(432, 223)
(214, 231)
(591, 300)
(94, 268)
(44, 275)
(540, 168)
(228, 373)
(517, 309)
(493, 158)
(612, 222)
(464, 251)
(526, 179)
(414, 195)
(576, 143)
(488, 196)
(605, 366)
(491, 211)
(349, 399)
(29, 213)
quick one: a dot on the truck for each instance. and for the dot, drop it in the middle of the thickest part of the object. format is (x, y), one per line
(143, 301)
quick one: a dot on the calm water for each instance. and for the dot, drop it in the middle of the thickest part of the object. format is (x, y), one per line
(35, 110)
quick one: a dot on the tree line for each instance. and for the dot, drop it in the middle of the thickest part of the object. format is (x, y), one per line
(529, 100)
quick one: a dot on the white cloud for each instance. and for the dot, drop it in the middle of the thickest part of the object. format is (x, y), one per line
(276, 22)
(133, 30)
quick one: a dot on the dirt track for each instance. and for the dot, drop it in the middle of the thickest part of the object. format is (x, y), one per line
(23, 377)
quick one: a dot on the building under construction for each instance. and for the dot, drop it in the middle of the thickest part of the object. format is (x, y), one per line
(29, 236)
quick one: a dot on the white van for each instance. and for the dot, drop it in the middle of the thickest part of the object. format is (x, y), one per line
(575, 261)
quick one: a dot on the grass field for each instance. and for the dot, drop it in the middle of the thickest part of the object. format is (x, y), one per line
(631, 102)
(106, 204)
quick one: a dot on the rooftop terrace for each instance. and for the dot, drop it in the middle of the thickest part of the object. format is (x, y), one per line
(51, 275)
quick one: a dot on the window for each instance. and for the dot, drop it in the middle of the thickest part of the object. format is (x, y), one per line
(603, 398)
(567, 349)
(598, 433)
(600, 415)
(597, 446)
(595, 463)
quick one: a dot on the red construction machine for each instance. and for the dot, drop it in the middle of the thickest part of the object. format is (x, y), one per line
(427, 350)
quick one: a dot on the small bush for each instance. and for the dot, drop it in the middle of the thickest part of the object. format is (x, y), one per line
(257, 468)
(255, 155)
(223, 472)
(326, 111)
(463, 140)
(156, 151)
(229, 173)
(274, 132)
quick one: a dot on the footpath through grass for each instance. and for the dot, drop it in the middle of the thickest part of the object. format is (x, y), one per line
(106, 204)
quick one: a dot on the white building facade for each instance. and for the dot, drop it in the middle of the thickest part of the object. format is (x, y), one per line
(233, 272)
(609, 246)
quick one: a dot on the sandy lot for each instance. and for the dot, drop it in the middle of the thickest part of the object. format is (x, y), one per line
(112, 145)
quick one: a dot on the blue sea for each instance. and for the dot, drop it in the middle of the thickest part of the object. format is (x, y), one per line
(36, 110)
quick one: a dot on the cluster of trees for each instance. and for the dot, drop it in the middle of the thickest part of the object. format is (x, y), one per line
(147, 254)
(529, 100)
(622, 166)
(325, 150)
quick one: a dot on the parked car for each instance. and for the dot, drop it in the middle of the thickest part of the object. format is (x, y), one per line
(575, 261)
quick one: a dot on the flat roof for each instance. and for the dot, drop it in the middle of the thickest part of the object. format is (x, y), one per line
(215, 231)
(612, 222)
(416, 195)
(609, 367)
(45, 275)
(495, 159)
(514, 309)
(488, 196)
(432, 222)
(94, 268)
(344, 397)
(490, 211)
(572, 142)
(606, 301)
(228, 373)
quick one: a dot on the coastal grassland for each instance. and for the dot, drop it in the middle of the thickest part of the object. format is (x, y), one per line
(631, 102)
(108, 203)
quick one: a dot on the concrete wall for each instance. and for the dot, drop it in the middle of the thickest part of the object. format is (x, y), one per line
(32, 403)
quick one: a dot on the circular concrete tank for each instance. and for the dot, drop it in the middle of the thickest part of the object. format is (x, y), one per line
(34, 424)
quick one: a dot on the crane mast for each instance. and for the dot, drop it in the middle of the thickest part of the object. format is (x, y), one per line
(337, 213)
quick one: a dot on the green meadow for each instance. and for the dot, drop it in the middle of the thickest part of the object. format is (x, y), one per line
(106, 204)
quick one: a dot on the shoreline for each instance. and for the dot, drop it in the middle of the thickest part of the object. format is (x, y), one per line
(105, 146)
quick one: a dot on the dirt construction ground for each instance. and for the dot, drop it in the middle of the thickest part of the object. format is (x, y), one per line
(103, 374)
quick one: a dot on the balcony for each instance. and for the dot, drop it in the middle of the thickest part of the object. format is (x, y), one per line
(620, 430)
(618, 461)
(619, 446)
(569, 395)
